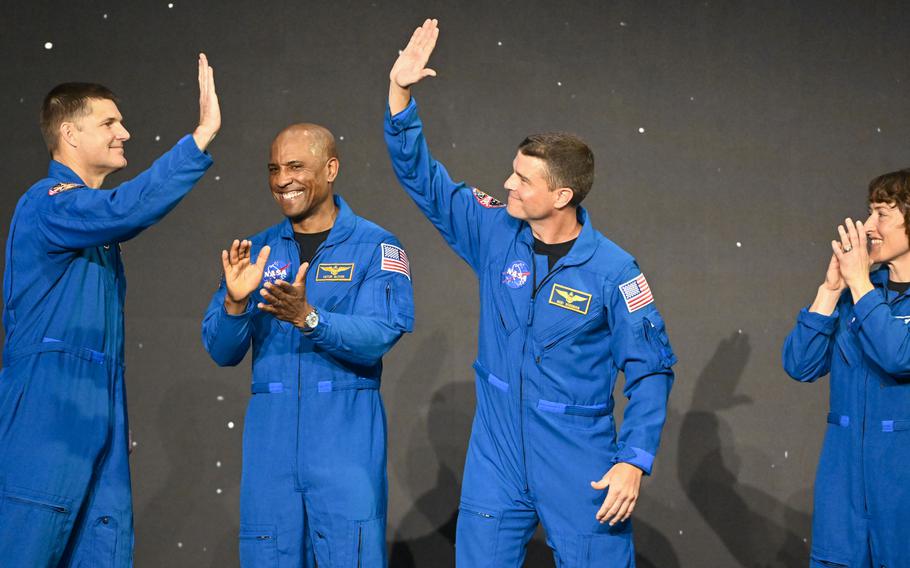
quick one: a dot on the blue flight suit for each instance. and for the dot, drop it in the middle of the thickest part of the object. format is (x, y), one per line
(862, 486)
(546, 367)
(64, 476)
(314, 438)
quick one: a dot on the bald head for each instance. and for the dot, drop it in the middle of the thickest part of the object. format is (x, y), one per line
(318, 139)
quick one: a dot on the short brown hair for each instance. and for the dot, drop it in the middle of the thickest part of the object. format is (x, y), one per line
(68, 101)
(894, 189)
(570, 162)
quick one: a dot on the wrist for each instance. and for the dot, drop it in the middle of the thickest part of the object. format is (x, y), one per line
(825, 300)
(399, 97)
(235, 307)
(203, 137)
(860, 289)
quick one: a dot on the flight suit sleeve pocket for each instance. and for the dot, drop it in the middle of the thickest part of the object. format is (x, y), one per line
(654, 332)
(258, 545)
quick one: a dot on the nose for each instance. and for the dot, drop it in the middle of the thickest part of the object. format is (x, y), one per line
(122, 133)
(282, 179)
(510, 183)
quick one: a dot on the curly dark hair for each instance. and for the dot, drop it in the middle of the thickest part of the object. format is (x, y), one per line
(894, 189)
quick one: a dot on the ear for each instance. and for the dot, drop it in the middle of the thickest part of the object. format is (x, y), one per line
(332, 167)
(67, 133)
(563, 197)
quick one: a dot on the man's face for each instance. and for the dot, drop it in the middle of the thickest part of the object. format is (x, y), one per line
(529, 198)
(300, 175)
(99, 137)
(887, 233)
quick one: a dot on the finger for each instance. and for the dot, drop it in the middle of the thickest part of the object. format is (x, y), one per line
(263, 257)
(838, 253)
(844, 238)
(617, 505)
(267, 308)
(225, 262)
(608, 505)
(861, 235)
(235, 252)
(268, 296)
(301, 274)
(628, 512)
(245, 250)
(618, 516)
(851, 232)
(281, 290)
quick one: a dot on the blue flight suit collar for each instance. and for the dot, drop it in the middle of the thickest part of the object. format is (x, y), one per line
(57, 170)
(880, 278)
(583, 249)
(344, 226)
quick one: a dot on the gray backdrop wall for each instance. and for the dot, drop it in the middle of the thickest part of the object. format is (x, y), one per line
(730, 138)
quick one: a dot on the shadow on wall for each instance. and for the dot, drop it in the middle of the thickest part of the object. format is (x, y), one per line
(746, 519)
(447, 424)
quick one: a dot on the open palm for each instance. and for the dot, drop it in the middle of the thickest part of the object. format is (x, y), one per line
(411, 65)
(241, 276)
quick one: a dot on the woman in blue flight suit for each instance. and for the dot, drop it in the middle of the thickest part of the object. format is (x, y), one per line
(856, 330)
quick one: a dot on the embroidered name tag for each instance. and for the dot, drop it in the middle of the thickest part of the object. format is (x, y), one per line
(570, 299)
(336, 272)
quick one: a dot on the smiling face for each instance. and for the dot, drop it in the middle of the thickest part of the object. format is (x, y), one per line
(886, 232)
(302, 168)
(98, 138)
(530, 197)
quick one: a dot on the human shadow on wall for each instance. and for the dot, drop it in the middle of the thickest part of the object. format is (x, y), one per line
(756, 528)
(447, 424)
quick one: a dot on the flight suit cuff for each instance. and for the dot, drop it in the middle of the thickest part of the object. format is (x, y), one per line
(865, 305)
(637, 457)
(188, 149)
(238, 318)
(397, 124)
(819, 322)
(321, 331)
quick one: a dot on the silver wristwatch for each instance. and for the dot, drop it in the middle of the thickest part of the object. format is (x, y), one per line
(312, 319)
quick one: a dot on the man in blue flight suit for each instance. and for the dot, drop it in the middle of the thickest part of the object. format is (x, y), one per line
(856, 329)
(335, 296)
(562, 310)
(64, 476)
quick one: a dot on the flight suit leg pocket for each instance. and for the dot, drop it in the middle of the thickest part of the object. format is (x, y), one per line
(104, 541)
(476, 535)
(258, 546)
(34, 527)
(368, 543)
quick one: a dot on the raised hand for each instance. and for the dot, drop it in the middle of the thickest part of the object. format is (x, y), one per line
(209, 110)
(411, 66)
(287, 301)
(853, 257)
(833, 279)
(241, 277)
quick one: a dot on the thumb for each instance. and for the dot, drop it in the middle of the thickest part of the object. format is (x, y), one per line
(428, 73)
(263, 257)
(224, 262)
(602, 484)
(301, 274)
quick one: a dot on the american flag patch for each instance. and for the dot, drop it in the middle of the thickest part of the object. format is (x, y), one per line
(395, 259)
(636, 293)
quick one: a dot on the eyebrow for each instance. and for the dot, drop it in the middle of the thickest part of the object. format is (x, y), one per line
(523, 177)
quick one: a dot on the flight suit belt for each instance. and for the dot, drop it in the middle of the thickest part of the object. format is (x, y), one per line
(55, 345)
(601, 409)
(887, 425)
(266, 387)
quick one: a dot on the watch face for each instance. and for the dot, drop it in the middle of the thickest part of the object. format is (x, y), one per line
(312, 319)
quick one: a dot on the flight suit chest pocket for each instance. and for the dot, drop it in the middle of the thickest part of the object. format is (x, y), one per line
(501, 285)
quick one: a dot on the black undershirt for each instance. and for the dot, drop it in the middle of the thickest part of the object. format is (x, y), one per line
(899, 287)
(553, 251)
(308, 243)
